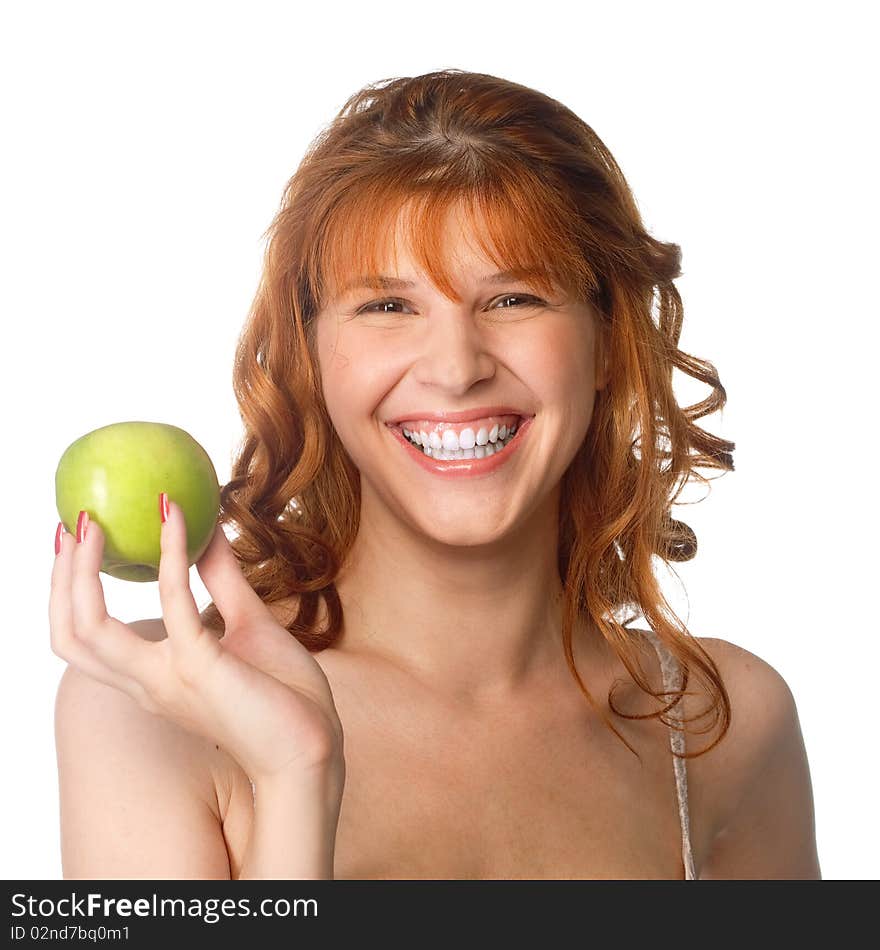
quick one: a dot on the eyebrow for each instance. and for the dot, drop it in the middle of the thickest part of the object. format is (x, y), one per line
(395, 283)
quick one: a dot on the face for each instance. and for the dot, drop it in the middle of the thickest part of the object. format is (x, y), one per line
(406, 353)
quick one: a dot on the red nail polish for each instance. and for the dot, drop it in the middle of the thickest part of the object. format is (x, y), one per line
(58, 532)
(163, 506)
(82, 523)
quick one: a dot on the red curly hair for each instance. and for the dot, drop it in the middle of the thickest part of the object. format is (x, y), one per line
(554, 206)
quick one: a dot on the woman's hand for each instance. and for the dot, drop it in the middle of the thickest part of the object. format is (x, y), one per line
(257, 691)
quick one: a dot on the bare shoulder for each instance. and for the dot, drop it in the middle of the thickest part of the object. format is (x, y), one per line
(138, 797)
(98, 702)
(762, 711)
(214, 770)
(762, 699)
(759, 774)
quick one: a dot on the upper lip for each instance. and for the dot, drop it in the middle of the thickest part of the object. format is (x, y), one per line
(462, 415)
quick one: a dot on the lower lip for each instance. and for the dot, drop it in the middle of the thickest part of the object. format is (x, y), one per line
(464, 468)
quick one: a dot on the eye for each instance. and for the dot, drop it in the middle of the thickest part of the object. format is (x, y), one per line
(370, 307)
(529, 301)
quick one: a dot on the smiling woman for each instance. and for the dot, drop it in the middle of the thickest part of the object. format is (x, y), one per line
(429, 185)
(455, 498)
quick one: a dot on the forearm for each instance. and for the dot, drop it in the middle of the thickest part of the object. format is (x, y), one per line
(293, 834)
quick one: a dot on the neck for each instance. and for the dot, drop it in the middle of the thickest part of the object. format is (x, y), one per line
(476, 624)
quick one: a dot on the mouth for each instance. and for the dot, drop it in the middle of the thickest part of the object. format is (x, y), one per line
(477, 460)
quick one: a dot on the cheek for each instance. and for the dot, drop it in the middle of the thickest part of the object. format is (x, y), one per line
(340, 362)
(562, 361)
(563, 374)
(334, 368)
(354, 379)
(331, 346)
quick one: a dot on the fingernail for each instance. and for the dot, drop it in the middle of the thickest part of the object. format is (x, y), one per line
(82, 523)
(58, 532)
(163, 506)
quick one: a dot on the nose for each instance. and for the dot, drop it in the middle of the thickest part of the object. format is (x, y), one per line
(453, 354)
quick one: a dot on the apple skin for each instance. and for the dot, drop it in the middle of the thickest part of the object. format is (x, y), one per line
(116, 473)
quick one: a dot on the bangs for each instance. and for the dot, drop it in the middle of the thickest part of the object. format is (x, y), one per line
(516, 222)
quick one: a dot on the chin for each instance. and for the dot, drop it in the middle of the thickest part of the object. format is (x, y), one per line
(468, 535)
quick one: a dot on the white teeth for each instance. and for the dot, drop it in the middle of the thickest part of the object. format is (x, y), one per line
(451, 441)
(478, 451)
(466, 439)
(448, 448)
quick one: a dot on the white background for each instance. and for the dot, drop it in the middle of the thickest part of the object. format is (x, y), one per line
(146, 149)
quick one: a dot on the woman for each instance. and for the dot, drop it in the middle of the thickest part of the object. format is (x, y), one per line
(462, 446)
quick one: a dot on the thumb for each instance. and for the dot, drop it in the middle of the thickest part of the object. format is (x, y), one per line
(224, 580)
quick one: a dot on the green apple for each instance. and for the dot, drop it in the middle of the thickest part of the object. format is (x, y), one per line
(116, 473)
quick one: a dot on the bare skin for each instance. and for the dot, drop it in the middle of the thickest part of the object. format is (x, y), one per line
(469, 750)
(473, 608)
(542, 790)
(538, 787)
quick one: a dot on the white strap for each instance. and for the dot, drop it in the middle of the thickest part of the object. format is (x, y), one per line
(672, 679)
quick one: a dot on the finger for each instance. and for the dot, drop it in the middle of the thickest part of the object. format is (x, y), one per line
(222, 576)
(179, 609)
(87, 592)
(117, 646)
(61, 624)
